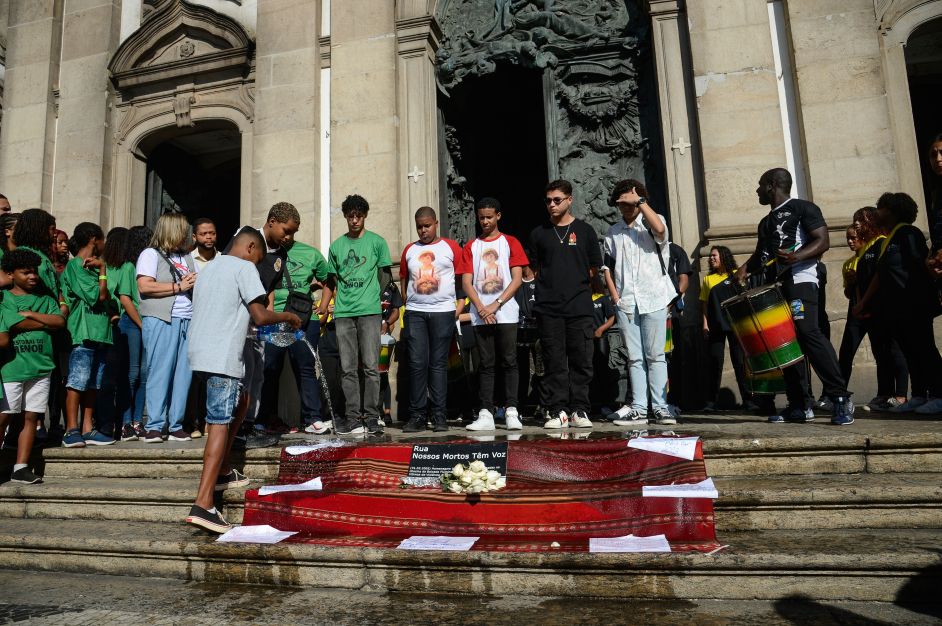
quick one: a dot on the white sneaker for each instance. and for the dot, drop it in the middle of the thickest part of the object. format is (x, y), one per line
(485, 421)
(579, 419)
(319, 427)
(629, 417)
(932, 407)
(512, 418)
(560, 420)
(620, 413)
(910, 405)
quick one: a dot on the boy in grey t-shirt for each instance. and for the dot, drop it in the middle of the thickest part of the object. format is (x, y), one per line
(228, 294)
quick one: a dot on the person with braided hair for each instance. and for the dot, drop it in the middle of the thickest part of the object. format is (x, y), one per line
(720, 285)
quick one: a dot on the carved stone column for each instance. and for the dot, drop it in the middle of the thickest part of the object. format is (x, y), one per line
(27, 142)
(418, 37)
(678, 121)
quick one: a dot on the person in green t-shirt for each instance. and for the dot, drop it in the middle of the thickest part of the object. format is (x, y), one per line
(29, 318)
(305, 265)
(34, 231)
(85, 291)
(359, 267)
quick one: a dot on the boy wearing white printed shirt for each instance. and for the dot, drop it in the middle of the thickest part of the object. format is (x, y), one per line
(495, 262)
(428, 269)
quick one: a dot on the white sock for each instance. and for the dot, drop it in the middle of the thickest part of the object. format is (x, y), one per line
(212, 510)
(19, 466)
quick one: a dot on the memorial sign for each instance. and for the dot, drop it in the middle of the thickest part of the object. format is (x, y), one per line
(434, 460)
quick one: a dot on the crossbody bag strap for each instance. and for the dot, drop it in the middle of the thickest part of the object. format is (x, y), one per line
(174, 272)
(657, 248)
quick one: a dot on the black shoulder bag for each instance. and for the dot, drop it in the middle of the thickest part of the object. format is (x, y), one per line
(298, 302)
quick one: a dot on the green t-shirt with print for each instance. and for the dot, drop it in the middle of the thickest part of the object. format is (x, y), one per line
(89, 319)
(122, 281)
(30, 351)
(305, 263)
(48, 280)
(356, 264)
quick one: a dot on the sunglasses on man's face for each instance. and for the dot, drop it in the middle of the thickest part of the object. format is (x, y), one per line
(556, 201)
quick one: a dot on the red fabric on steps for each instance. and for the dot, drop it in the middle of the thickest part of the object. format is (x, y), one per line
(562, 491)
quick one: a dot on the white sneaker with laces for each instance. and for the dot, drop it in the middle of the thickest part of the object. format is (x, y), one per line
(485, 421)
(910, 405)
(932, 407)
(579, 419)
(319, 427)
(512, 419)
(620, 413)
(559, 420)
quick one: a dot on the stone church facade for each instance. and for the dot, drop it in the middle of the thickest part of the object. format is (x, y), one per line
(114, 110)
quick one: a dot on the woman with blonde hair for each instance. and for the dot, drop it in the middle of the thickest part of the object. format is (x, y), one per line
(166, 274)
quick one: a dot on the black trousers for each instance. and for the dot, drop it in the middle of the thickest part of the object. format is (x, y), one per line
(567, 344)
(497, 341)
(917, 341)
(717, 348)
(892, 372)
(803, 300)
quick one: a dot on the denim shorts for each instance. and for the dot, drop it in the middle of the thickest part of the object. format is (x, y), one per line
(222, 395)
(86, 366)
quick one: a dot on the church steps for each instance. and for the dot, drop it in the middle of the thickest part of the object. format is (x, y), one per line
(862, 565)
(782, 502)
(827, 453)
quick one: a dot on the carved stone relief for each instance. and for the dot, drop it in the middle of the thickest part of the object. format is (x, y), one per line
(592, 53)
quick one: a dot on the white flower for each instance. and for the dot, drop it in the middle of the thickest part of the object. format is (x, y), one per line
(477, 467)
(454, 487)
(478, 488)
(492, 476)
(466, 478)
(500, 483)
(477, 482)
(458, 470)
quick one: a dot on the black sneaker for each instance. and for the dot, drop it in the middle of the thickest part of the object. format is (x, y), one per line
(213, 522)
(232, 480)
(342, 426)
(128, 433)
(260, 439)
(153, 436)
(415, 426)
(25, 476)
(372, 426)
(440, 426)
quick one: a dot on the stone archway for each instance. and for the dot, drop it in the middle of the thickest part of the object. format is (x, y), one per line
(184, 66)
(898, 20)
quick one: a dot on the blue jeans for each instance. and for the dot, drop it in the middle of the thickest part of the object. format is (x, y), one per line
(644, 336)
(168, 372)
(86, 366)
(430, 336)
(222, 395)
(302, 364)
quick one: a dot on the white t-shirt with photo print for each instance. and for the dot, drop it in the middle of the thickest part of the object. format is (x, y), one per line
(490, 261)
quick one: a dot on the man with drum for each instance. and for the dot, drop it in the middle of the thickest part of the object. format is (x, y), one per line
(791, 240)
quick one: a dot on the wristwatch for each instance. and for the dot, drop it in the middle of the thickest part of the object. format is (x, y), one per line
(500, 303)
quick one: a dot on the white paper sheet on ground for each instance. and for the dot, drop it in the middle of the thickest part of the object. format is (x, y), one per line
(320, 445)
(680, 447)
(312, 485)
(460, 544)
(702, 489)
(630, 543)
(256, 534)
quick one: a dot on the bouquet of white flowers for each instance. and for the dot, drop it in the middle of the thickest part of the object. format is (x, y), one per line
(472, 478)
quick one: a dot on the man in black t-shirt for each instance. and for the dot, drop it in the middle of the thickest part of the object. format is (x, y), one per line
(791, 240)
(279, 229)
(565, 254)
(684, 364)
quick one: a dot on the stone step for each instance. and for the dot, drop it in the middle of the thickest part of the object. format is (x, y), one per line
(862, 564)
(845, 453)
(760, 503)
